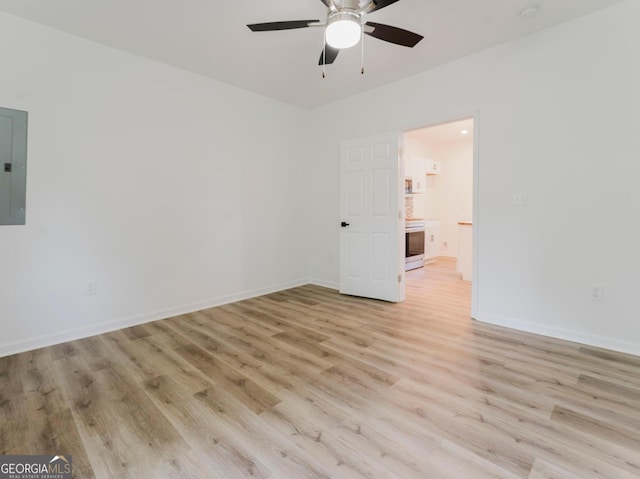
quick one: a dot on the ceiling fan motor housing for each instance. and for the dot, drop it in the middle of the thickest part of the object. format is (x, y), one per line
(347, 10)
(343, 14)
(356, 5)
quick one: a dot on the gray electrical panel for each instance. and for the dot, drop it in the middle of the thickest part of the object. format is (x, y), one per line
(13, 166)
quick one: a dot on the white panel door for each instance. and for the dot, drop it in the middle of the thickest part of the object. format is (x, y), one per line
(372, 228)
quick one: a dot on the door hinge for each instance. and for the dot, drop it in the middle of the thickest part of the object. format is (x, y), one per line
(399, 278)
(7, 167)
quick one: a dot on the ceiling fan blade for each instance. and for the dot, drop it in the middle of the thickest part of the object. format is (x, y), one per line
(328, 55)
(378, 4)
(272, 26)
(328, 4)
(393, 34)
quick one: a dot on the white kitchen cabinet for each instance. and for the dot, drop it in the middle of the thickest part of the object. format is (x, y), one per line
(420, 184)
(431, 240)
(417, 167)
(433, 167)
(408, 168)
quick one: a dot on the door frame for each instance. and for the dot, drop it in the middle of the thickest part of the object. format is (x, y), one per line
(475, 244)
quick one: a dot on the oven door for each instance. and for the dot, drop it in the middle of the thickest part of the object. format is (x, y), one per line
(414, 242)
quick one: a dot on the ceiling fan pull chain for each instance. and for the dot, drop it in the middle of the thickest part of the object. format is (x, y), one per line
(324, 57)
(362, 51)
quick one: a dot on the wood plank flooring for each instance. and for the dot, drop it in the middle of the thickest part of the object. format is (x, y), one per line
(310, 384)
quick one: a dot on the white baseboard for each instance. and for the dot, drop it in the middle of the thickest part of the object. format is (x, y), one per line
(8, 349)
(561, 333)
(30, 344)
(324, 284)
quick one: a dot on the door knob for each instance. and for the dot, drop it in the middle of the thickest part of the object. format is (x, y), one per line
(344, 224)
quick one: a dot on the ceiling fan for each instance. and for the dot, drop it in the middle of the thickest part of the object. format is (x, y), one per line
(345, 27)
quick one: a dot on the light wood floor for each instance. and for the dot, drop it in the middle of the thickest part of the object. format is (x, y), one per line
(309, 384)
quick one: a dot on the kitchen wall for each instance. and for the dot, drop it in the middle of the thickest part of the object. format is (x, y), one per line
(453, 192)
(557, 116)
(171, 191)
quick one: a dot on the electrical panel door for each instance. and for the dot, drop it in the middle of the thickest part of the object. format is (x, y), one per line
(13, 166)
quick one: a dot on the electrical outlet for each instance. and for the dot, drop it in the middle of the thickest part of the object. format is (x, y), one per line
(597, 293)
(91, 289)
(520, 199)
(445, 244)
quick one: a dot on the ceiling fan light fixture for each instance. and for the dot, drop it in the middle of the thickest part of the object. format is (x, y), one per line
(343, 29)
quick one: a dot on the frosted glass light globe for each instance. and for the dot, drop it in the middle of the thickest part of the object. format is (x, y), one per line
(343, 30)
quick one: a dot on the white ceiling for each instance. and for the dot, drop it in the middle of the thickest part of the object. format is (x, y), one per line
(443, 134)
(210, 37)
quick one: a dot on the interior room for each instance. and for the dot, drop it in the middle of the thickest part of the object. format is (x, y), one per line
(173, 230)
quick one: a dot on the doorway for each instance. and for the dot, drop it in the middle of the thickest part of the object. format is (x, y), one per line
(439, 162)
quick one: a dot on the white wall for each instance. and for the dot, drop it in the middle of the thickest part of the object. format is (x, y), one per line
(171, 191)
(558, 119)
